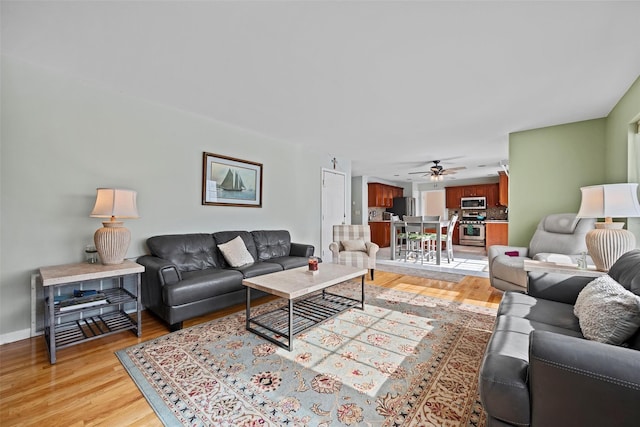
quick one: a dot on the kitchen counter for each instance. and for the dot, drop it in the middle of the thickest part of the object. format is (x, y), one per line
(498, 221)
(379, 220)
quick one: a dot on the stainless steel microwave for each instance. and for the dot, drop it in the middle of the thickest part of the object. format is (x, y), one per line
(473, 203)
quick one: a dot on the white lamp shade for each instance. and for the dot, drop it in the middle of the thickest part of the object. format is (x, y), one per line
(608, 241)
(115, 202)
(610, 201)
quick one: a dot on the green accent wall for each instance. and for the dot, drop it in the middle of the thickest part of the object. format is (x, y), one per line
(549, 165)
(547, 168)
(623, 145)
(626, 111)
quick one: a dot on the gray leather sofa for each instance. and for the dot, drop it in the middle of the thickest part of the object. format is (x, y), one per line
(539, 370)
(556, 234)
(187, 276)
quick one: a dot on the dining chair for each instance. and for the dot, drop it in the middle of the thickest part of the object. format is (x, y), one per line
(401, 238)
(417, 239)
(447, 238)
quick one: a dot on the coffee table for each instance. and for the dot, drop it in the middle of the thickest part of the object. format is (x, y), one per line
(309, 302)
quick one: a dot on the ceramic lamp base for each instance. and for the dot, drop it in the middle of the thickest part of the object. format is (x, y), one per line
(606, 245)
(112, 242)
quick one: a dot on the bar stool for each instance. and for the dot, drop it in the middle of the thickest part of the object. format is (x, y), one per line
(446, 237)
(416, 237)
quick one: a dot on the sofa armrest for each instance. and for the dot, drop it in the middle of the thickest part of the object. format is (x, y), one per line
(574, 381)
(301, 249)
(556, 287)
(158, 273)
(496, 250)
(372, 248)
(334, 247)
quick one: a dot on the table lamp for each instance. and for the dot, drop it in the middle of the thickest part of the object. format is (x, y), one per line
(608, 241)
(112, 240)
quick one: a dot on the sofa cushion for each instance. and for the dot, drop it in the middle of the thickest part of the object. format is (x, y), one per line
(235, 252)
(626, 271)
(547, 312)
(272, 243)
(202, 284)
(188, 252)
(608, 312)
(510, 269)
(355, 259)
(222, 237)
(258, 269)
(288, 262)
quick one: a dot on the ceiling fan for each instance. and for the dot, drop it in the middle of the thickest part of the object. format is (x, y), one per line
(437, 172)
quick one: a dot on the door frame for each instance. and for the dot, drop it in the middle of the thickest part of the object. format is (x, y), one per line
(323, 202)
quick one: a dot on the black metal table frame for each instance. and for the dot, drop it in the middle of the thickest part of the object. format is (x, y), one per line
(300, 314)
(90, 328)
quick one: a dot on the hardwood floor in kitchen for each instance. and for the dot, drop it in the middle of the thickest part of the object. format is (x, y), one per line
(89, 386)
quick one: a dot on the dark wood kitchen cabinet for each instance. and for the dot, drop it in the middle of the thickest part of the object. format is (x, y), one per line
(455, 239)
(454, 194)
(381, 195)
(492, 194)
(381, 233)
(496, 233)
(503, 192)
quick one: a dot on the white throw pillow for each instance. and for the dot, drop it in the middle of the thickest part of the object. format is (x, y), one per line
(235, 252)
(354, 245)
(607, 312)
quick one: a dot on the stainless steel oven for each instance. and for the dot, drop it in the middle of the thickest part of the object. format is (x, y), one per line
(472, 234)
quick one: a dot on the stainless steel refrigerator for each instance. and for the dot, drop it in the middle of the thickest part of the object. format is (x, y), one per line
(403, 206)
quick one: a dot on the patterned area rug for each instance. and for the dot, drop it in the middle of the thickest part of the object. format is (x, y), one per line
(406, 360)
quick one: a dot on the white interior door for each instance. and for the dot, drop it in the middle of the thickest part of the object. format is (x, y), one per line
(334, 207)
(434, 203)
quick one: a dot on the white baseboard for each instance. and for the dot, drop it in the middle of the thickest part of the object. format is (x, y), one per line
(15, 336)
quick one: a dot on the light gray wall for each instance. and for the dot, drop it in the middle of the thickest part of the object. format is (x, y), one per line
(359, 200)
(62, 138)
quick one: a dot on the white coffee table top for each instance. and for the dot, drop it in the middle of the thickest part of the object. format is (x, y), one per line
(298, 282)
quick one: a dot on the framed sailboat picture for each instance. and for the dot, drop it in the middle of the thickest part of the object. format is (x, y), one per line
(231, 182)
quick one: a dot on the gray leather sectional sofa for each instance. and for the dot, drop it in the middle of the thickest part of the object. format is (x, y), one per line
(540, 370)
(187, 276)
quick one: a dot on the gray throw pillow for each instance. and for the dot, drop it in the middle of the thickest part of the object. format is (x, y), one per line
(607, 312)
(354, 245)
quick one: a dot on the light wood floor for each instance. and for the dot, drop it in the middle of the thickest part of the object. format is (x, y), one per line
(89, 386)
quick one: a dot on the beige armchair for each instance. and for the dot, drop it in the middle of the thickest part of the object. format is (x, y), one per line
(352, 245)
(556, 234)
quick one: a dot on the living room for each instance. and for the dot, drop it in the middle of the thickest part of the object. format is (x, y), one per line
(64, 135)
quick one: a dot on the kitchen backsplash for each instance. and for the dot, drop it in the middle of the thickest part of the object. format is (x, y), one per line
(375, 214)
(493, 213)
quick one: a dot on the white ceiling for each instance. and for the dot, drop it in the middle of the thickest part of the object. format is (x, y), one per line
(388, 84)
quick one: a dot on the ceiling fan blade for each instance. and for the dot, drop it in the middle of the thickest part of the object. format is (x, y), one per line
(456, 168)
(414, 173)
